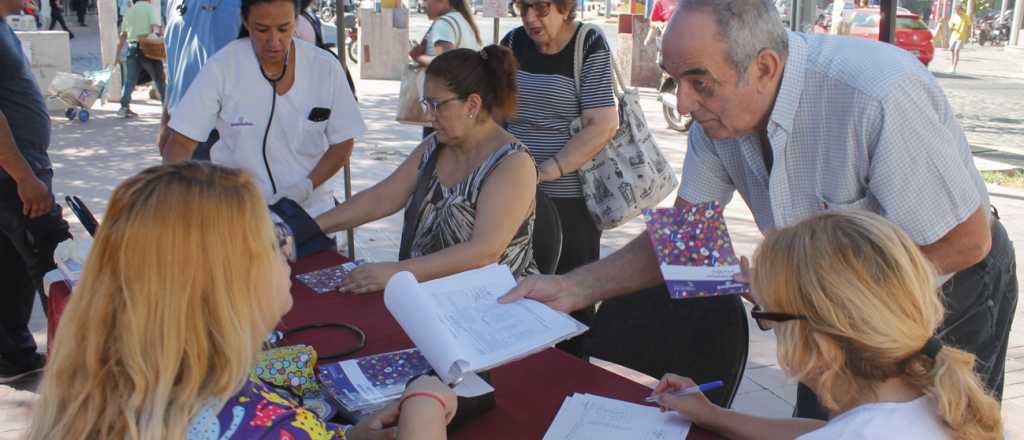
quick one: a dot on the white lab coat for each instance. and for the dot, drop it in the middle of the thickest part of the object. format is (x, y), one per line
(231, 95)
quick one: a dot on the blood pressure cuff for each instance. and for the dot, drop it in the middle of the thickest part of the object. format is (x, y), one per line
(309, 239)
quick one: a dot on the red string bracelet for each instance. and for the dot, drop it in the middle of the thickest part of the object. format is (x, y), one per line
(425, 394)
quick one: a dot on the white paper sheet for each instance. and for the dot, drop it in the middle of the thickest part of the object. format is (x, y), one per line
(591, 417)
(459, 326)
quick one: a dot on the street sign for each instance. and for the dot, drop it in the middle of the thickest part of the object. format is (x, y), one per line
(494, 8)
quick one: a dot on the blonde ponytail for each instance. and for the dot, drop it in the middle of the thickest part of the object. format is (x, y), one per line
(872, 309)
(960, 397)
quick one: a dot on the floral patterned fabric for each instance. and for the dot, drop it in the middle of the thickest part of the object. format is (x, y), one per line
(260, 412)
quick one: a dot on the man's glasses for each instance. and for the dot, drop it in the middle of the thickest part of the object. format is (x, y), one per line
(286, 241)
(764, 319)
(542, 8)
(430, 105)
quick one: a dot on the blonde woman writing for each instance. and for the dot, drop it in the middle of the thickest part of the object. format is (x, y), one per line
(854, 306)
(147, 353)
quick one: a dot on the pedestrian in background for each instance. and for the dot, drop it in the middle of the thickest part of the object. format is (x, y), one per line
(31, 224)
(960, 25)
(80, 7)
(548, 103)
(140, 21)
(57, 16)
(452, 27)
(196, 29)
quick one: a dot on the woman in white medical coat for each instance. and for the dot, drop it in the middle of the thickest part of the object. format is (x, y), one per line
(282, 106)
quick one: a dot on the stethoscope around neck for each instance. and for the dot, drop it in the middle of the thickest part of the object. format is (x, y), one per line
(273, 105)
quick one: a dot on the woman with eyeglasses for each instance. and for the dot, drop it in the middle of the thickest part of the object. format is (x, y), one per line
(855, 307)
(548, 103)
(468, 189)
(161, 334)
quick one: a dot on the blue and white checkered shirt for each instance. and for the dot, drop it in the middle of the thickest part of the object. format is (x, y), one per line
(856, 124)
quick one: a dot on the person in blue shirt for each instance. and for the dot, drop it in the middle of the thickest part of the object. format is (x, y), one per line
(196, 29)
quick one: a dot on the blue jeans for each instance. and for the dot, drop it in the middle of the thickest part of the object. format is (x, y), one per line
(133, 67)
(26, 254)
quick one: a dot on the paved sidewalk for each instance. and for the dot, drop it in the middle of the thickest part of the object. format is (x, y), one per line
(92, 158)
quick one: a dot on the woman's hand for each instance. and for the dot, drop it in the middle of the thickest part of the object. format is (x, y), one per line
(369, 278)
(416, 51)
(549, 171)
(379, 426)
(695, 407)
(432, 385)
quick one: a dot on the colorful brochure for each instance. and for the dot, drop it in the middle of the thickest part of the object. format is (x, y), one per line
(694, 250)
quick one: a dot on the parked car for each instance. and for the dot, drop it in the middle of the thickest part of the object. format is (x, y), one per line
(911, 32)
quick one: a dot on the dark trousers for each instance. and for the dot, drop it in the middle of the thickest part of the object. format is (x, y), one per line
(705, 339)
(57, 16)
(26, 254)
(980, 302)
(80, 8)
(134, 65)
(581, 244)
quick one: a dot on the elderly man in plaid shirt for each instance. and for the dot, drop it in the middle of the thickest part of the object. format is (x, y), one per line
(801, 124)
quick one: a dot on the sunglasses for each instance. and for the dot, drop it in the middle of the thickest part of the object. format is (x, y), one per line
(764, 319)
(542, 8)
(430, 105)
(285, 240)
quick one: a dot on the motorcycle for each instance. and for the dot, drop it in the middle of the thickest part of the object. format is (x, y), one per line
(667, 93)
(983, 31)
(1001, 28)
(351, 23)
(668, 100)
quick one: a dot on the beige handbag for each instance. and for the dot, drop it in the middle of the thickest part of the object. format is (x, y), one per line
(410, 111)
(629, 174)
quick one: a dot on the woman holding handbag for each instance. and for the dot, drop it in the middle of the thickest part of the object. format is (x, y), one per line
(453, 27)
(548, 104)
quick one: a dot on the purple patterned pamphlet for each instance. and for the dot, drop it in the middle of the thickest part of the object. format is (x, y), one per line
(695, 251)
(329, 278)
(367, 383)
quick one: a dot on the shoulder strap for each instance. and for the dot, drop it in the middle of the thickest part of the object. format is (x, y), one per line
(412, 211)
(455, 26)
(577, 61)
(317, 29)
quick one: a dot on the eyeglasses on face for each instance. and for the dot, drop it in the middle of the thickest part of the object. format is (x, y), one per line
(431, 105)
(542, 8)
(764, 319)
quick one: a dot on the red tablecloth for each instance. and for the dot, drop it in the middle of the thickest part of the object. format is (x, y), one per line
(528, 392)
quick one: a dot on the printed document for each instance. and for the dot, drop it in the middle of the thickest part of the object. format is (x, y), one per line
(591, 417)
(458, 325)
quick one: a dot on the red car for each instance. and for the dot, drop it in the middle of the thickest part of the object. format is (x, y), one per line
(911, 33)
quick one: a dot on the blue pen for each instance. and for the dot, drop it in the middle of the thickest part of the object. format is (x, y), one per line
(702, 388)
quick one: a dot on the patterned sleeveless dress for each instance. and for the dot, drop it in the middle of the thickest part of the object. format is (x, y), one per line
(447, 215)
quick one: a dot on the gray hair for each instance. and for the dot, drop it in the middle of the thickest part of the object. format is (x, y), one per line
(746, 27)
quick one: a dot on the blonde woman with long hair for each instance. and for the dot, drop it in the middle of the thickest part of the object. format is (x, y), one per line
(854, 306)
(186, 278)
